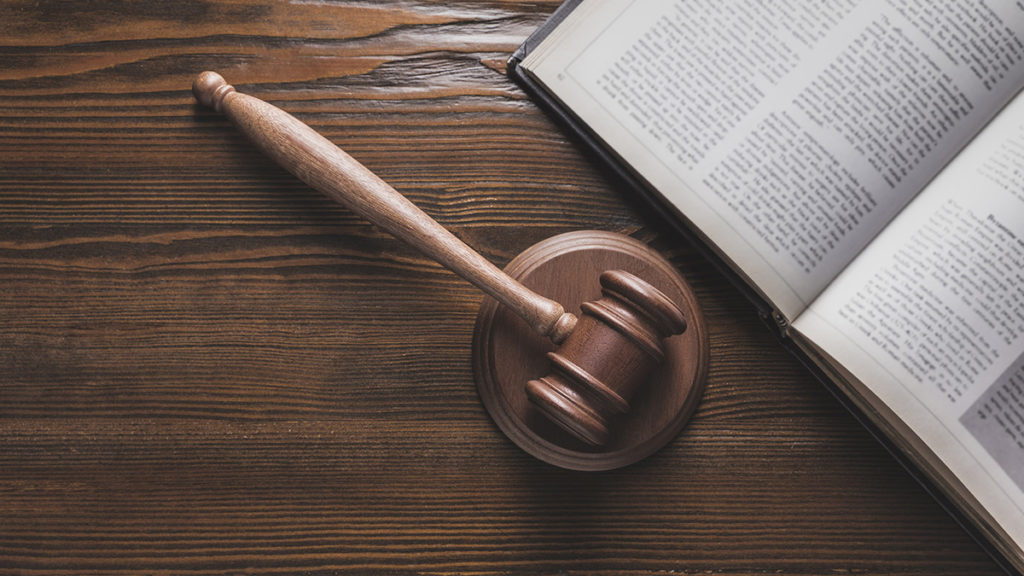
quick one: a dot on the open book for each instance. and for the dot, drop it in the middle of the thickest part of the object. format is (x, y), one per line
(860, 165)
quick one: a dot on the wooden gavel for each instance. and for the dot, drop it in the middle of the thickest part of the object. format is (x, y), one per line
(603, 357)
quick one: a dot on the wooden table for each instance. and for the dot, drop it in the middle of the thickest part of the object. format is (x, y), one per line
(206, 367)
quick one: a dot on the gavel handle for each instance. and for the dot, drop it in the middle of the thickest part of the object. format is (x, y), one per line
(327, 168)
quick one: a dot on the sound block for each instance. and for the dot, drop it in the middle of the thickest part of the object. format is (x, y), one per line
(507, 353)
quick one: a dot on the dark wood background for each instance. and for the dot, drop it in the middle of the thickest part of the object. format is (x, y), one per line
(206, 367)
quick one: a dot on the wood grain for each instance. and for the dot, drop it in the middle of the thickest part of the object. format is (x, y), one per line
(208, 368)
(325, 167)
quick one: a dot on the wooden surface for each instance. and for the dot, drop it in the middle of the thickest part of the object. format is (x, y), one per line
(320, 163)
(208, 368)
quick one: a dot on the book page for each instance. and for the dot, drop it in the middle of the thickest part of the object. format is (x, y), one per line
(930, 318)
(788, 133)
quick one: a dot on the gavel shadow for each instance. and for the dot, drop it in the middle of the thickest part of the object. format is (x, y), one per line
(586, 516)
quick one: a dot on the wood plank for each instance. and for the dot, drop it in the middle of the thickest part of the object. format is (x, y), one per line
(206, 367)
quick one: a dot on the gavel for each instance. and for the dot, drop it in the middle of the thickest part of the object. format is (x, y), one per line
(602, 357)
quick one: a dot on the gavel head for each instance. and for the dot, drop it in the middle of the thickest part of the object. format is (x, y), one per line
(614, 349)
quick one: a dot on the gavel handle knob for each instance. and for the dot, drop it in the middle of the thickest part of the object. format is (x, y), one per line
(327, 168)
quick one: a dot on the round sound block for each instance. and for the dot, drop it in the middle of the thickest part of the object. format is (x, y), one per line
(507, 353)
